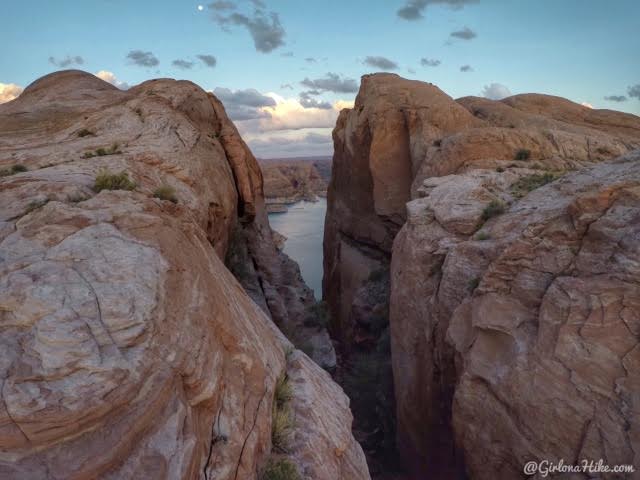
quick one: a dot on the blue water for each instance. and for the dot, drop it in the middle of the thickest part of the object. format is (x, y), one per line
(303, 225)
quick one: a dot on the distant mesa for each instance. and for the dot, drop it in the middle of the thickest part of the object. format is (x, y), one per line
(290, 180)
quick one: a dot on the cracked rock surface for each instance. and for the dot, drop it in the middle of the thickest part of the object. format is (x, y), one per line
(512, 330)
(127, 349)
(548, 342)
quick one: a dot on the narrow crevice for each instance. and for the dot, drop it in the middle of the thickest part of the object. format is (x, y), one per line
(216, 437)
(6, 409)
(244, 444)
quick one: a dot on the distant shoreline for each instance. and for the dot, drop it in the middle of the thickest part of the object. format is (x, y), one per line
(288, 181)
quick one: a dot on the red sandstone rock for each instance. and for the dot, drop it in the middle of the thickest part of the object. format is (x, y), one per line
(128, 350)
(407, 141)
(289, 181)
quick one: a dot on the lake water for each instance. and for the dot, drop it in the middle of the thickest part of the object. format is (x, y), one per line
(303, 225)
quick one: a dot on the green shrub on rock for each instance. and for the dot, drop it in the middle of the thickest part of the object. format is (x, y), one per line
(13, 170)
(523, 154)
(165, 192)
(282, 421)
(494, 209)
(113, 181)
(280, 469)
(530, 182)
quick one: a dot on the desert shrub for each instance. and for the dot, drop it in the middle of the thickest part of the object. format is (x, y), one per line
(523, 154)
(437, 143)
(283, 392)
(165, 192)
(113, 181)
(280, 469)
(473, 284)
(281, 427)
(500, 169)
(603, 151)
(103, 152)
(482, 236)
(13, 170)
(494, 209)
(529, 183)
(282, 422)
(85, 133)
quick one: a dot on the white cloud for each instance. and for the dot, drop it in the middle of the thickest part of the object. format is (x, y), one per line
(109, 77)
(9, 91)
(496, 91)
(277, 126)
(290, 114)
(290, 143)
(288, 128)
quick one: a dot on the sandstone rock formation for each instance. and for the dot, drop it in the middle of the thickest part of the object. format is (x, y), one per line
(547, 344)
(468, 311)
(128, 348)
(290, 180)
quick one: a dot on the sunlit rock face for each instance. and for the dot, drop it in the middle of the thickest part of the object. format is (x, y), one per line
(290, 180)
(546, 345)
(451, 194)
(128, 349)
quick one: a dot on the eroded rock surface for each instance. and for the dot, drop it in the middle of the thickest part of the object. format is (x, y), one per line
(290, 180)
(459, 165)
(547, 343)
(128, 350)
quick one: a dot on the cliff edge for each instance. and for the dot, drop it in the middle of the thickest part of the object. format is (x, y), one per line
(474, 235)
(128, 348)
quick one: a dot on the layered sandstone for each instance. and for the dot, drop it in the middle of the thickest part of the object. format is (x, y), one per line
(414, 172)
(128, 348)
(290, 180)
(547, 344)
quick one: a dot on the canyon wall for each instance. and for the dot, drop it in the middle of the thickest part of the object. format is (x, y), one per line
(290, 180)
(128, 348)
(513, 286)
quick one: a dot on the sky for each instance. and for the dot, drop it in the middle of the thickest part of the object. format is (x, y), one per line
(285, 68)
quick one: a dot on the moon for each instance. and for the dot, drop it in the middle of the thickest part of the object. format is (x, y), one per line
(200, 8)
